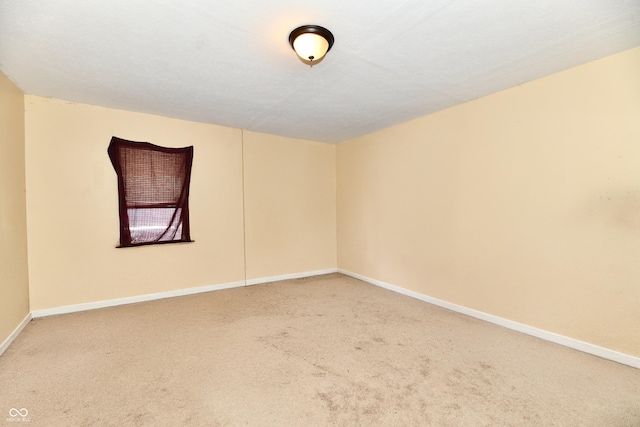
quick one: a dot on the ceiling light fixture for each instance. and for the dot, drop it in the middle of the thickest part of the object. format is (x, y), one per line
(311, 43)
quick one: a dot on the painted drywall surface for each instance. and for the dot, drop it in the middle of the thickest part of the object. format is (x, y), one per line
(524, 204)
(72, 206)
(14, 278)
(290, 205)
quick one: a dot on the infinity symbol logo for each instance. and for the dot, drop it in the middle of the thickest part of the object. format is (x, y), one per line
(13, 412)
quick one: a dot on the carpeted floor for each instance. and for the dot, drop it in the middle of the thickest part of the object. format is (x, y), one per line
(329, 350)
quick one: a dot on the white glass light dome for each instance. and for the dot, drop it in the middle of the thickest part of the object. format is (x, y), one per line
(311, 43)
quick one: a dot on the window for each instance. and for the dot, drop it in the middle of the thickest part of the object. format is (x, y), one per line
(153, 192)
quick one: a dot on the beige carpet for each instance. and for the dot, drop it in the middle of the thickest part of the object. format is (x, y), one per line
(329, 350)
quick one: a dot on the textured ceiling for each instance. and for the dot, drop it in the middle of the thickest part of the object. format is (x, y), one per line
(230, 63)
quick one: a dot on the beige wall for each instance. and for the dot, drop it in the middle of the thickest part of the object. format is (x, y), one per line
(290, 193)
(14, 279)
(72, 206)
(524, 204)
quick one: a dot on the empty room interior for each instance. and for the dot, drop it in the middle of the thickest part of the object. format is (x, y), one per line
(435, 223)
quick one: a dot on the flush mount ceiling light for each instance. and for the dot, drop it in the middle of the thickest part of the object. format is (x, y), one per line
(311, 43)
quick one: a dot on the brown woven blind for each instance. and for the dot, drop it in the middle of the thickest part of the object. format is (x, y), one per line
(153, 192)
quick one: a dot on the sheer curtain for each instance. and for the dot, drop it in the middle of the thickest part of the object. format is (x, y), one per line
(153, 192)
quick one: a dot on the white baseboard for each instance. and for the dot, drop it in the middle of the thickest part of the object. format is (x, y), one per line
(14, 334)
(131, 300)
(260, 280)
(585, 347)
(177, 293)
